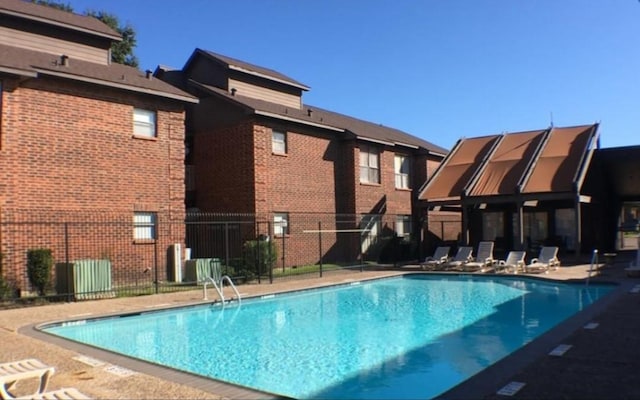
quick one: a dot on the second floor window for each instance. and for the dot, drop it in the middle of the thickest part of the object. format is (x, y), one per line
(402, 169)
(144, 122)
(279, 142)
(369, 165)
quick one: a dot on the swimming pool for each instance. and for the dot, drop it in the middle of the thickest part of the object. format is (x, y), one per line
(406, 337)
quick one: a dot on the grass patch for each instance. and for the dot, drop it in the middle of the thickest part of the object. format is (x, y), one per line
(305, 269)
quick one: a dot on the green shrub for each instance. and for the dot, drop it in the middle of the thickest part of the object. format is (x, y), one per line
(260, 255)
(39, 264)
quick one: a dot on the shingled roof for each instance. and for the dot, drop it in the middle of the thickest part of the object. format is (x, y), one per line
(316, 116)
(52, 16)
(246, 67)
(29, 63)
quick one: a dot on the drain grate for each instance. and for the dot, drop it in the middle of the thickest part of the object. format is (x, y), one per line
(511, 388)
(560, 350)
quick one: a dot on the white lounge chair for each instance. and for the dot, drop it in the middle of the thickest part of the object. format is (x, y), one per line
(27, 369)
(547, 259)
(59, 394)
(463, 256)
(484, 258)
(514, 262)
(441, 255)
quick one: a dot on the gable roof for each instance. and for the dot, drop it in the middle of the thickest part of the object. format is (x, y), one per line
(60, 18)
(533, 164)
(29, 63)
(318, 117)
(245, 67)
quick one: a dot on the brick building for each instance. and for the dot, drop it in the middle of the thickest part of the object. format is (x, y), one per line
(82, 140)
(255, 147)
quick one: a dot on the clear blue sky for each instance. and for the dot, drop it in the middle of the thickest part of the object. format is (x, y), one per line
(437, 69)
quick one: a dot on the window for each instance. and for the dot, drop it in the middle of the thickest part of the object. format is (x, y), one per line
(369, 165)
(144, 122)
(144, 226)
(401, 165)
(403, 227)
(279, 142)
(280, 224)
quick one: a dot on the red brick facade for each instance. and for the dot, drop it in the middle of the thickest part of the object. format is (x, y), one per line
(68, 154)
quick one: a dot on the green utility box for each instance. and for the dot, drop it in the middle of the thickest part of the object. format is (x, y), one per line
(199, 269)
(84, 279)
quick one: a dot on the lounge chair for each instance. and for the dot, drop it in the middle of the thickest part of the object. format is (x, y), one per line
(441, 255)
(59, 394)
(484, 259)
(27, 369)
(463, 256)
(547, 259)
(514, 262)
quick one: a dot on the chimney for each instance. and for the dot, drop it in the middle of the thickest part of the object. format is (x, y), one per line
(64, 60)
(233, 91)
(149, 74)
(309, 112)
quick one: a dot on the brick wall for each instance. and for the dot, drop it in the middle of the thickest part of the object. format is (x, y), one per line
(66, 146)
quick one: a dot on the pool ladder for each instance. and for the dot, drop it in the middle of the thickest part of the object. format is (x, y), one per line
(219, 288)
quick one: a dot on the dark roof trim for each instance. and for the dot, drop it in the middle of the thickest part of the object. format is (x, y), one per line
(265, 76)
(19, 72)
(132, 88)
(49, 21)
(300, 121)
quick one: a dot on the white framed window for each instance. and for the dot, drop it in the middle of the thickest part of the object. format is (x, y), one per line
(369, 164)
(403, 226)
(402, 168)
(144, 225)
(280, 224)
(278, 142)
(144, 122)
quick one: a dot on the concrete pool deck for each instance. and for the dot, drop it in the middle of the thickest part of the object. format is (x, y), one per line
(602, 362)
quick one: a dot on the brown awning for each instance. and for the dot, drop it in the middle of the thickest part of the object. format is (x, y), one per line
(458, 168)
(560, 161)
(508, 164)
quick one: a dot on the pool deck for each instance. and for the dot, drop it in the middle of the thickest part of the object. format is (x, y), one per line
(602, 363)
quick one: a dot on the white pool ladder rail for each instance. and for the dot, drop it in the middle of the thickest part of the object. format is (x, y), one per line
(219, 288)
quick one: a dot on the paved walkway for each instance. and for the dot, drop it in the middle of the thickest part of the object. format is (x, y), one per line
(602, 363)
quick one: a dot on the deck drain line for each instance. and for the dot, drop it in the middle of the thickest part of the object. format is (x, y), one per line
(560, 350)
(591, 325)
(511, 388)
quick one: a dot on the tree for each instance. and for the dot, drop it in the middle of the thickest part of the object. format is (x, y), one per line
(121, 52)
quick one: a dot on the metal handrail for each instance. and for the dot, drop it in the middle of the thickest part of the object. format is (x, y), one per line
(218, 288)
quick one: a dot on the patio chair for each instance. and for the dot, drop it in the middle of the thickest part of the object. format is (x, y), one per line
(440, 256)
(463, 256)
(28, 369)
(484, 259)
(547, 259)
(514, 262)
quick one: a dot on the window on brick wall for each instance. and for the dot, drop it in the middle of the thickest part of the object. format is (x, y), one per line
(278, 142)
(402, 169)
(144, 122)
(403, 227)
(369, 164)
(280, 224)
(144, 225)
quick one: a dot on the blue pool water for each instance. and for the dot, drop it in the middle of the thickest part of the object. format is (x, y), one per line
(404, 338)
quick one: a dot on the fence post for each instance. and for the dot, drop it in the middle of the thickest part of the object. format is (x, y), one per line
(269, 241)
(155, 262)
(66, 261)
(320, 245)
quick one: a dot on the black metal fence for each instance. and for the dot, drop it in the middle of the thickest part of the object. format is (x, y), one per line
(98, 255)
